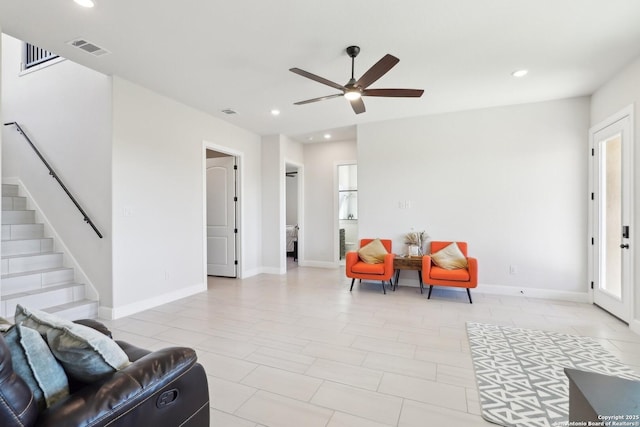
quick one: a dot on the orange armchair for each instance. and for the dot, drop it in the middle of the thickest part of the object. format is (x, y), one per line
(437, 276)
(357, 269)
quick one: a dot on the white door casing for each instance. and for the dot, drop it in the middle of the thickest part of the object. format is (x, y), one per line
(221, 216)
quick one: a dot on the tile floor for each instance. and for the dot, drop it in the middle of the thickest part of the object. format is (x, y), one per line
(301, 350)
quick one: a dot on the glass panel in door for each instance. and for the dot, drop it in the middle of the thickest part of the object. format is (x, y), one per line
(611, 215)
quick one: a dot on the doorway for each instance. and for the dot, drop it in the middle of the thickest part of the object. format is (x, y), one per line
(347, 209)
(612, 213)
(221, 214)
(293, 214)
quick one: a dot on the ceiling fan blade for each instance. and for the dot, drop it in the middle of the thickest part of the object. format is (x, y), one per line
(322, 98)
(398, 93)
(358, 105)
(378, 70)
(317, 78)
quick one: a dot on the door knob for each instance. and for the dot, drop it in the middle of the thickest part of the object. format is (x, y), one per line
(624, 246)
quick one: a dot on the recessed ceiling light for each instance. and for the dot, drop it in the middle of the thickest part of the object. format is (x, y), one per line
(85, 3)
(327, 136)
(275, 112)
(520, 73)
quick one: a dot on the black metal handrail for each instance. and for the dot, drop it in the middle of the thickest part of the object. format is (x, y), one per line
(57, 178)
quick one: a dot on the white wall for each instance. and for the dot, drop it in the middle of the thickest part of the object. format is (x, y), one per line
(70, 123)
(272, 182)
(1, 115)
(158, 196)
(511, 181)
(619, 92)
(321, 199)
(277, 151)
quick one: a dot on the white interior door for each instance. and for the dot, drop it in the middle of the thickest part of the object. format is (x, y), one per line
(612, 215)
(221, 217)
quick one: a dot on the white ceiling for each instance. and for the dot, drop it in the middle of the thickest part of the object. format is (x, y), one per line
(215, 55)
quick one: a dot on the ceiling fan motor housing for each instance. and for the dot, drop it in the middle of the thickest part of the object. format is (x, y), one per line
(353, 51)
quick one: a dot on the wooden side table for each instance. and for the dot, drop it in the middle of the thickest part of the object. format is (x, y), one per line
(407, 263)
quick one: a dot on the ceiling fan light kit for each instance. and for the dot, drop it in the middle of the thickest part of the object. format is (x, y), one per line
(354, 90)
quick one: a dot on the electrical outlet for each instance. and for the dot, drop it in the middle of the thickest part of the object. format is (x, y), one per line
(513, 269)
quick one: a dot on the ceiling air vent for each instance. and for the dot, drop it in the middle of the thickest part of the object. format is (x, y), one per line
(229, 111)
(89, 47)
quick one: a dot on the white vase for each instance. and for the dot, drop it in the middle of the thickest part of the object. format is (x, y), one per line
(414, 250)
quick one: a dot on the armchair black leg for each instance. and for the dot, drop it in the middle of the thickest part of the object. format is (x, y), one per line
(352, 281)
(430, 289)
(469, 293)
(383, 288)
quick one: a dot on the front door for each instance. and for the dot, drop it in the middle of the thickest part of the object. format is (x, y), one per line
(612, 207)
(221, 217)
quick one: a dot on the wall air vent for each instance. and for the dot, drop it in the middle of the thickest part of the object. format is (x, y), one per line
(229, 111)
(88, 47)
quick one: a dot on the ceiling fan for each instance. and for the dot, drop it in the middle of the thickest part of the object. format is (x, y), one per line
(355, 90)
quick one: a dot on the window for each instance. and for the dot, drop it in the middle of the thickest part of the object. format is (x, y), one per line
(34, 55)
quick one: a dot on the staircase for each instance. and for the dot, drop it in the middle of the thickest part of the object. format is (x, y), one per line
(32, 274)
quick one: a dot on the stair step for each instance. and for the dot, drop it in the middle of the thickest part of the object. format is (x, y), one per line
(26, 246)
(31, 273)
(22, 231)
(21, 282)
(83, 309)
(31, 262)
(13, 203)
(44, 298)
(18, 217)
(10, 190)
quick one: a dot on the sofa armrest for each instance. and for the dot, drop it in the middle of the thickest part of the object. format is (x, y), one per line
(18, 408)
(133, 353)
(101, 403)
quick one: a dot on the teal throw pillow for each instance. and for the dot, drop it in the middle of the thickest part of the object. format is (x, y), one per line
(33, 362)
(86, 354)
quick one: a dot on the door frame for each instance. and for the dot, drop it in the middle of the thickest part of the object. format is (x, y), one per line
(283, 225)
(628, 194)
(336, 209)
(206, 145)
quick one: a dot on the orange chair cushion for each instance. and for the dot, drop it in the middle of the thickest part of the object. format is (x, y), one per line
(364, 268)
(457, 275)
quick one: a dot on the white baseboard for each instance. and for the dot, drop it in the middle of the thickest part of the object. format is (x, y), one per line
(112, 313)
(582, 297)
(273, 270)
(249, 273)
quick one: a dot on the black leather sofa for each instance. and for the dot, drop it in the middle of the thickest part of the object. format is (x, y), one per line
(161, 388)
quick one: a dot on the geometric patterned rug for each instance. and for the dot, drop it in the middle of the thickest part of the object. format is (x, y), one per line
(520, 376)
